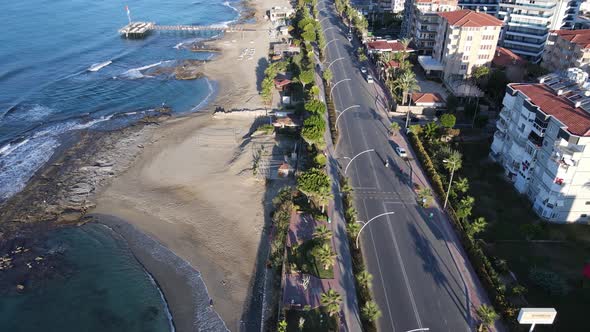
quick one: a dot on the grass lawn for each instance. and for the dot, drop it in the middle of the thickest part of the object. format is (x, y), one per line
(511, 219)
(304, 258)
(315, 320)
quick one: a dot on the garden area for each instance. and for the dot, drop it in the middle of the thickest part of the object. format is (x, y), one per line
(313, 257)
(549, 271)
(311, 320)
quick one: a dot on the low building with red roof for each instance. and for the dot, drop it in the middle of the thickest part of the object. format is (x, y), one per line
(566, 49)
(541, 140)
(386, 46)
(428, 99)
(513, 65)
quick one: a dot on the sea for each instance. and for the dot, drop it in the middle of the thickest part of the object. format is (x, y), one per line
(65, 68)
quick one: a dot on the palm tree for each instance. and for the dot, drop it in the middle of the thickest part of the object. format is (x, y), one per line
(430, 130)
(394, 126)
(405, 43)
(282, 326)
(323, 196)
(353, 229)
(487, 315)
(326, 256)
(331, 300)
(370, 311)
(453, 161)
(462, 185)
(406, 83)
(323, 233)
(364, 278)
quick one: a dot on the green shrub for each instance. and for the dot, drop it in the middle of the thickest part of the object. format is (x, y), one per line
(549, 281)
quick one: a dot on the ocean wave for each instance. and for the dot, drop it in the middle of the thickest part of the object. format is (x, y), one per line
(204, 101)
(20, 159)
(228, 4)
(135, 73)
(99, 66)
(27, 113)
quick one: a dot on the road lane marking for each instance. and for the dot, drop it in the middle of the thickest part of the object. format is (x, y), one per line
(404, 273)
(380, 272)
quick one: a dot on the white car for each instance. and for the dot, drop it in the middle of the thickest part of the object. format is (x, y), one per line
(349, 37)
(363, 70)
(401, 152)
(370, 79)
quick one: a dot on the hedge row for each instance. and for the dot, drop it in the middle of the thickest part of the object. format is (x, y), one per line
(331, 115)
(484, 268)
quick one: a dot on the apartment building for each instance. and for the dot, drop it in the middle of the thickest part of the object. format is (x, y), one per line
(566, 49)
(484, 6)
(465, 40)
(397, 6)
(528, 22)
(541, 140)
(424, 21)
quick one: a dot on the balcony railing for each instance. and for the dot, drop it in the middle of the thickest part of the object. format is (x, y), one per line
(505, 115)
(502, 125)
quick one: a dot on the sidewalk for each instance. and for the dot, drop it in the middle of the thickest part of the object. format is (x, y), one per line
(343, 268)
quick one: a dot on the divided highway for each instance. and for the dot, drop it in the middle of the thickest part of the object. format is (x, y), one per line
(415, 279)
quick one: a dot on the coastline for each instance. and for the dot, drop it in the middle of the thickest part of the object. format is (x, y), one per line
(166, 240)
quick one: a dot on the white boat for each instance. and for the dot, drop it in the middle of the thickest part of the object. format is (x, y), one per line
(99, 66)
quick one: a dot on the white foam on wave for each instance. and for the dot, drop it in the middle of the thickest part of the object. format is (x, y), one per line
(204, 101)
(20, 160)
(227, 4)
(135, 73)
(30, 113)
(99, 66)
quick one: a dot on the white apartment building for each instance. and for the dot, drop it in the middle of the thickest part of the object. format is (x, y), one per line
(528, 22)
(541, 141)
(465, 39)
(397, 6)
(567, 49)
(423, 21)
(484, 6)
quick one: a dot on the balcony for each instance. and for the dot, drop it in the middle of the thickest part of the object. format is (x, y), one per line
(505, 115)
(535, 139)
(539, 129)
(502, 126)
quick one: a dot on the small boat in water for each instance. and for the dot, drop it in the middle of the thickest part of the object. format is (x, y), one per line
(99, 66)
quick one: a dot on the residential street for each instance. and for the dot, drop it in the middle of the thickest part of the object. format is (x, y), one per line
(421, 276)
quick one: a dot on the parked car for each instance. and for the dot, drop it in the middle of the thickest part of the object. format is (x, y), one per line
(363, 70)
(370, 79)
(401, 152)
(349, 36)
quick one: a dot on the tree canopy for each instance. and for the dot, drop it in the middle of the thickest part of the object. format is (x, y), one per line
(306, 77)
(448, 120)
(313, 182)
(315, 107)
(313, 129)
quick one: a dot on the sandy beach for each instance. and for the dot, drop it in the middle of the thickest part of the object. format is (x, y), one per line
(192, 187)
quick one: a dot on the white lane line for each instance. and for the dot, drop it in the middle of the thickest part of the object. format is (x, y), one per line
(380, 271)
(405, 275)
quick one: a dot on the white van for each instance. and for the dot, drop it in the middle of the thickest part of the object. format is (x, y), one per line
(370, 79)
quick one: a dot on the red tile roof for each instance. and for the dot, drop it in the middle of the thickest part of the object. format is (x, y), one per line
(505, 57)
(427, 98)
(279, 82)
(387, 45)
(579, 37)
(469, 18)
(392, 64)
(575, 118)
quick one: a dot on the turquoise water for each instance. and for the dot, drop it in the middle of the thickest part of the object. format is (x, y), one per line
(108, 290)
(47, 89)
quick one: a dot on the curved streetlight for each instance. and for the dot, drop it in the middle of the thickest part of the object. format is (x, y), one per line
(328, 43)
(328, 28)
(331, 63)
(339, 115)
(420, 329)
(353, 158)
(365, 225)
(320, 22)
(332, 89)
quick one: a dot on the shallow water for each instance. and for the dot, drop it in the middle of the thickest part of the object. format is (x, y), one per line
(65, 67)
(108, 291)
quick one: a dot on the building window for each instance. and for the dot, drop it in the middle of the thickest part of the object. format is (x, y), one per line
(465, 57)
(467, 48)
(463, 67)
(469, 38)
(584, 216)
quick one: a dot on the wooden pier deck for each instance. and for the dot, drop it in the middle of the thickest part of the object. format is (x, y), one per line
(141, 29)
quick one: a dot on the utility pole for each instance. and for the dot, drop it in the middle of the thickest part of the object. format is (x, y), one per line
(408, 112)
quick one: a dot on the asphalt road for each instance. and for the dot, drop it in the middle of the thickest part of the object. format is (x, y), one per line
(415, 280)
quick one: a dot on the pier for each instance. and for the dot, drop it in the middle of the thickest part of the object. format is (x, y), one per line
(142, 29)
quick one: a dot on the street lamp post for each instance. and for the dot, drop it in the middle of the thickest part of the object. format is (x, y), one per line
(328, 28)
(332, 89)
(353, 158)
(339, 115)
(328, 43)
(450, 182)
(366, 223)
(331, 63)
(408, 112)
